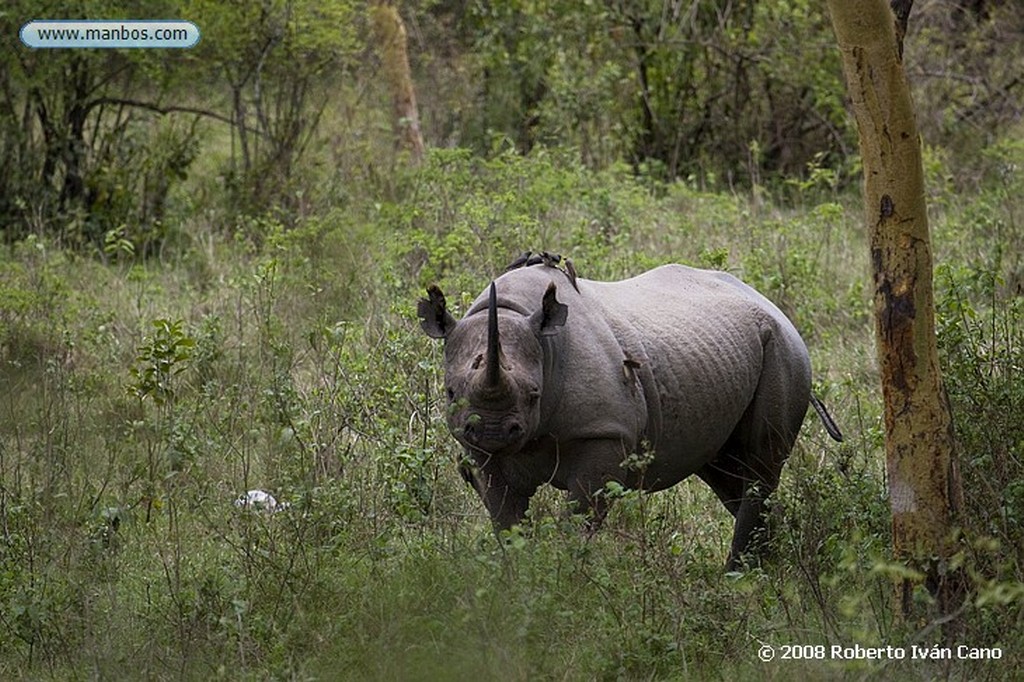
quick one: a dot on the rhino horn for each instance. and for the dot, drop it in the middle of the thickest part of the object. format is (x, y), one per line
(493, 372)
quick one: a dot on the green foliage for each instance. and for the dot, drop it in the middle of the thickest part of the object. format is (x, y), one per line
(92, 151)
(965, 92)
(723, 94)
(680, 93)
(162, 356)
(284, 355)
(980, 329)
(981, 336)
(81, 162)
(274, 63)
(254, 291)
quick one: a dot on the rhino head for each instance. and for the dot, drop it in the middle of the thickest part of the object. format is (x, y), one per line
(494, 369)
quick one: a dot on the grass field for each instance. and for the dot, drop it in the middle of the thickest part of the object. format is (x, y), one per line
(139, 399)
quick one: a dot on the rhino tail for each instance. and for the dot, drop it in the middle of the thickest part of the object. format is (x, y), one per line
(826, 419)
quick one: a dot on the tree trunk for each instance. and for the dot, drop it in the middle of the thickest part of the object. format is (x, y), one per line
(924, 482)
(390, 36)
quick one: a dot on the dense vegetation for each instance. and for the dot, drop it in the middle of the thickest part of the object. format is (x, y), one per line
(191, 309)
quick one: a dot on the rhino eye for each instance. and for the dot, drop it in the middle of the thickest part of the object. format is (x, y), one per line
(451, 395)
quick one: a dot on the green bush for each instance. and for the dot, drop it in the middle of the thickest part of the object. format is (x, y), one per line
(148, 395)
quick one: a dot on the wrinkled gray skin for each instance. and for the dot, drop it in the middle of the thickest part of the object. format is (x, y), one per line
(692, 364)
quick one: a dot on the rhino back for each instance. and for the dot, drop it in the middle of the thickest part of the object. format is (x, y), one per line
(697, 343)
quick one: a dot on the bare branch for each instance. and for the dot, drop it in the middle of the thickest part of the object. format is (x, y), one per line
(164, 110)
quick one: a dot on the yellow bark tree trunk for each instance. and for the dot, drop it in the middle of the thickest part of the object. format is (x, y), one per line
(924, 483)
(392, 41)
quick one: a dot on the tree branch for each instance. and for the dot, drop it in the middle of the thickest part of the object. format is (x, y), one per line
(163, 110)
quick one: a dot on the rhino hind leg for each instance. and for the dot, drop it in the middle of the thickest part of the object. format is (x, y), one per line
(750, 522)
(766, 444)
(760, 446)
(724, 476)
(742, 484)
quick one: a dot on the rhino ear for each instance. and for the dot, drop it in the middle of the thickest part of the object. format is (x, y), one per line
(435, 319)
(551, 315)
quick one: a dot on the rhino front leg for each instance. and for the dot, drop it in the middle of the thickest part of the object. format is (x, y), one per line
(592, 505)
(591, 467)
(505, 504)
(506, 507)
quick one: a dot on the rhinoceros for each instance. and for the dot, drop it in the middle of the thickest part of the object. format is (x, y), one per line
(643, 382)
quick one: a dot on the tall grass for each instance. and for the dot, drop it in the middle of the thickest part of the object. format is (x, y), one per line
(140, 398)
